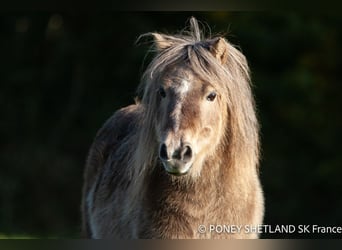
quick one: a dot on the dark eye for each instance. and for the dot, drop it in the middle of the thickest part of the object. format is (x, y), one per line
(211, 97)
(162, 92)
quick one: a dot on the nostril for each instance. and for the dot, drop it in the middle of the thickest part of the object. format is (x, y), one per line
(163, 152)
(186, 154)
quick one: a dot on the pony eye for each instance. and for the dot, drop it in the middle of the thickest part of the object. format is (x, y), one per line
(162, 92)
(211, 97)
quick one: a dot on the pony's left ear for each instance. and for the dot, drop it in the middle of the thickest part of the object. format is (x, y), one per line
(162, 41)
(219, 48)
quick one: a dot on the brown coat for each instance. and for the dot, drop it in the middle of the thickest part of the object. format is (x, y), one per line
(196, 92)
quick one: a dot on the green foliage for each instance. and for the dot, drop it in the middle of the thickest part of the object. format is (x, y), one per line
(63, 74)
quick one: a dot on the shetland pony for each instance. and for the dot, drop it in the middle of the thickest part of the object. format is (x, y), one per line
(184, 157)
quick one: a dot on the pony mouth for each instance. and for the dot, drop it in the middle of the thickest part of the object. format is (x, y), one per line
(176, 168)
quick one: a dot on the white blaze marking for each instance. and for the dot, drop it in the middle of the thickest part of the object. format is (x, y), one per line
(183, 87)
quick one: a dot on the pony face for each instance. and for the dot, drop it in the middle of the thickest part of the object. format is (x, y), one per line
(189, 120)
(197, 100)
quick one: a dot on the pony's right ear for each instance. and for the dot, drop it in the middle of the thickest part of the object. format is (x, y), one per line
(162, 41)
(219, 48)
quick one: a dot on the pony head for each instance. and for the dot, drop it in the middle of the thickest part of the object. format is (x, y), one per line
(193, 98)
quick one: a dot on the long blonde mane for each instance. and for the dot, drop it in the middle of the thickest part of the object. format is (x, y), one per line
(232, 80)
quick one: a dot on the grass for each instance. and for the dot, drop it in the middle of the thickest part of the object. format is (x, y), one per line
(51, 235)
(26, 236)
(4, 236)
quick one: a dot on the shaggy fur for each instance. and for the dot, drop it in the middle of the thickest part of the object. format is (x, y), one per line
(127, 192)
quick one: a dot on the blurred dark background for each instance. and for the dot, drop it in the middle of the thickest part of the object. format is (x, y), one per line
(63, 74)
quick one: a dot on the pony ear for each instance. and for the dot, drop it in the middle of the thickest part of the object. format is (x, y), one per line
(219, 48)
(162, 41)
